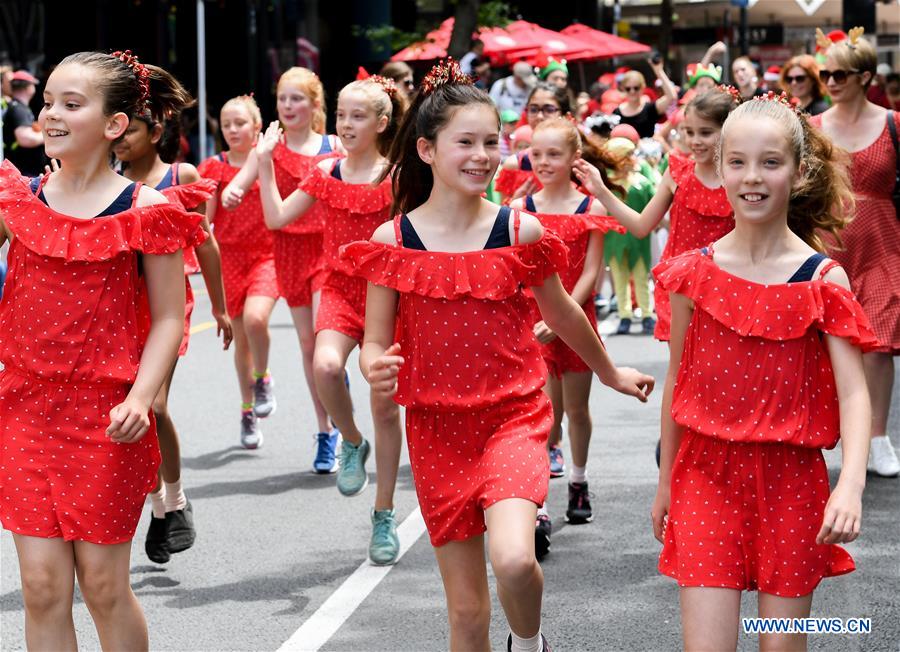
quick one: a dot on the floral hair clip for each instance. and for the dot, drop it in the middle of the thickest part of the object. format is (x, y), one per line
(731, 90)
(389, 85)
(140, 72)
(599, 120)
(445, 72)
(781, 98)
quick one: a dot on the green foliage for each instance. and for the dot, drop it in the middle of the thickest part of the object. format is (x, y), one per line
(495, 14)
(396, 39)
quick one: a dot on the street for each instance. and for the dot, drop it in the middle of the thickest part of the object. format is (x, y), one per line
(275, 541)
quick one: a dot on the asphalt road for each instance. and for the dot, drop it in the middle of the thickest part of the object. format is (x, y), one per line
(276, 541)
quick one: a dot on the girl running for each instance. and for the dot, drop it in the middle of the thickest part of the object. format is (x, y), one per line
(353, 206)
(248, 264)
(297, 248)
(580, 222)
(147, 152)
(690, 191)
(445, 289)
(96, 280)
(765, 371)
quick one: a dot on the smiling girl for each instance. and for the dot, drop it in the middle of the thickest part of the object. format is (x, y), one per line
(92, 256)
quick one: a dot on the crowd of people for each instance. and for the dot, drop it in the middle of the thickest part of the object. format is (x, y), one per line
(458, 234)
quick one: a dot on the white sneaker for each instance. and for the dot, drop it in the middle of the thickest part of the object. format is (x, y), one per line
(882, 458)
(251, 435)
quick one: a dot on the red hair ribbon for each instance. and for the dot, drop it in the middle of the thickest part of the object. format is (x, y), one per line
(445, 72)
(140, 72)
(361, 74)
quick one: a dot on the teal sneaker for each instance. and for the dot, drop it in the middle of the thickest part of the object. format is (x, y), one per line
(385, 545)
(352, 478)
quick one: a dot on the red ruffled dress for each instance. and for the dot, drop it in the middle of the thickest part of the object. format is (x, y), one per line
(508, 181)
(575, 231)
(698, 215)
(756, 397)
(351, 212)
(476, 419)
(71, 318)
(871, 253)
(298, 246)
(245, 243)
(187, 196)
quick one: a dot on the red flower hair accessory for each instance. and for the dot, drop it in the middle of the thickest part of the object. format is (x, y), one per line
(731, 90)
(445, 72)
(140, 72)
(389, 85)
(782, 98)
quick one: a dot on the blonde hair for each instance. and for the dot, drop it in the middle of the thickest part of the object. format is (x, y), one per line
(248, 103)
(389, 105)
(860, 56)
(821, 201)
(307, 82)
(602, 158)
(634, 76)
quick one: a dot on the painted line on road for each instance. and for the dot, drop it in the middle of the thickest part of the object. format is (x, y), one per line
(202, 326)
(341, 604)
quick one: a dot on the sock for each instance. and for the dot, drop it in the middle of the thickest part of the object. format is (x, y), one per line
(577, 474)
(533, 644)
(257, 375)
(157, 501)
(175, 498)
(246, 407)
(542, 510)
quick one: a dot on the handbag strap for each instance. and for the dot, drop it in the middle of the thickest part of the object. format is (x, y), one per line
(892, 129)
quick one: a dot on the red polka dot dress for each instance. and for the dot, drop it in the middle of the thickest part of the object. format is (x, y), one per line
(871, 242)
(756, 398)
(476, 419)
(508, 181)
(575, 231)
(71, 318)
(350, 212)
(698, 215)
(187, 196)
(298, 246)
(245, 243)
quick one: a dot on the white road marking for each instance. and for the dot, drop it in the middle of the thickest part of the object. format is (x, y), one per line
(341, 604)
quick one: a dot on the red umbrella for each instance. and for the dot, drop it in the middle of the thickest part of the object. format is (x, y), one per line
(533, 39)
(603, 44)
(497, 43)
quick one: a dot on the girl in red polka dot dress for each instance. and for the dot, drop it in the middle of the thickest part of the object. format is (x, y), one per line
(248, 264)
(690, 192)
(92, 256)
(449, 334)
(581, 223)
(765, 371)
(146, 152)
(298, 247)
(353, 205)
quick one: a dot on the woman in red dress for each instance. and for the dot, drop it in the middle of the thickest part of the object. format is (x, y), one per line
(248, 264)
(449, 331)
(871, 243)
(765, 371)
(96, 280)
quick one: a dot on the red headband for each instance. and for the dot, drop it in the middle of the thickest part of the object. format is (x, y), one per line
(445, 72)
(140, 72)
(731, 90)
(782, 98)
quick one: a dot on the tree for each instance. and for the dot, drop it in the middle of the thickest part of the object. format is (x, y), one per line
(464, 24)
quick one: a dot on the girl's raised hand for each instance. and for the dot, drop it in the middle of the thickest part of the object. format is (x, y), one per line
(266, 142)
(53, 166)
(128, 421)
(384, 370)
(231, 197)
(631, 382)
(543, 333)
(528, 188)
(588, 176)
(843, 514)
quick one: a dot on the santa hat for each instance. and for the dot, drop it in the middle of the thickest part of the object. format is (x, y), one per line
(772, 74)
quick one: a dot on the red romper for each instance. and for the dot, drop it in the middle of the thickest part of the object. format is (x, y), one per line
(298, 246)
(351, 212)
(187, 196)
(575, 231)
(756, 398)
(871, 252)
(508, 181)
(477, 421)
(71, 343)
(245, 243)
(698, 215)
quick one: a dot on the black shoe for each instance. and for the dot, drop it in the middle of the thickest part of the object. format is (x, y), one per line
(579, 510)
(545, 646)
(156, 546)
(648, 325)
(542, 531)
(624, 326)
(181, 528)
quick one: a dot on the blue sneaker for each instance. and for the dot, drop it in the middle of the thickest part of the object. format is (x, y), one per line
(557, 464)
(385, 544)
(352, 478)
(326, 445)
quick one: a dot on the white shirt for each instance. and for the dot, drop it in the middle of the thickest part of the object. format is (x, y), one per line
(507, 94)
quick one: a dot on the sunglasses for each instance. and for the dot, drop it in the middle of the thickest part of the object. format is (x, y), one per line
(799, 79)
(628, 89)
(409, 83)
(547, 109)
(840, 76)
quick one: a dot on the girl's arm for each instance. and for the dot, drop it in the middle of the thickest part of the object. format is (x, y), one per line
(236, 189)
(843, 512)
(593, 259)
(670, 432)
(669, 94)
(640, 225)
(211, 267)
(278, 213)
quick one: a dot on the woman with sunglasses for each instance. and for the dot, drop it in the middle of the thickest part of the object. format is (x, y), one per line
(402, 75)
(640, 111)
(871, 252)
(800, 80)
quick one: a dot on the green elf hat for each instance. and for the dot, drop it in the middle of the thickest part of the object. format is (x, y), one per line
(552, 66)
(712, 71)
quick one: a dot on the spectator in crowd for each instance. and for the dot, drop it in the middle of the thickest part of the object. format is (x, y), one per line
(511, 93)
(892, 90)
(876, 93)
(800, 80)
(401, 73)
(640, 111)
(555, 72)
(745, 77)
(481, 71)
(476, 52)
(23, 142)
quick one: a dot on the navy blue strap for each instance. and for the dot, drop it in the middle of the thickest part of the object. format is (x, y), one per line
(807, 270)
(325, 148)
(525, 163)
(529, 204)
(500, 233)
(336, 170)
(583, 206)
(411, 239)
(166, 181)
(35, 183)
